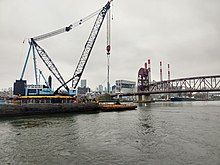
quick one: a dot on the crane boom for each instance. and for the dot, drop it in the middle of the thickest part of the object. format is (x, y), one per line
(88, 47)
(65, 29)
(49, 63)
(44, 78)
(53, 33)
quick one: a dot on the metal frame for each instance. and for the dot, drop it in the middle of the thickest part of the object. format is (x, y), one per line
(87, 48)
(89, 45)
(183, 85)
(49, 63)
(26, 60)
(193, 84)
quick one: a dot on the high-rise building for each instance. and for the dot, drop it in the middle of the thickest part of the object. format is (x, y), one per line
(100, 89)
(114, 89)
(82, 91)
(83, 83)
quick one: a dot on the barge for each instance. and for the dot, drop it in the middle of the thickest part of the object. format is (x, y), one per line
(116, 107)
(40, 105)
(37, 105)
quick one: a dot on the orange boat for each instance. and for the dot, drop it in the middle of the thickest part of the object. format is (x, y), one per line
(116, 107)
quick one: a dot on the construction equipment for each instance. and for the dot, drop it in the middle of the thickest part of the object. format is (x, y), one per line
(48, 61)
(45, 80)
(108, 49)
(88, 48)
(65, 29)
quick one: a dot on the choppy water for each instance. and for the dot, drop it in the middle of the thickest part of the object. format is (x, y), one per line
(159, 133)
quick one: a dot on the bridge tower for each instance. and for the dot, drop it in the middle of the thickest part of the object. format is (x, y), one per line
(143, 82)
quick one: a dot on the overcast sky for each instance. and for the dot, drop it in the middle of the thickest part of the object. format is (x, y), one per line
(184, 33)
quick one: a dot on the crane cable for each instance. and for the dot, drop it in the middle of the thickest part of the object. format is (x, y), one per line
(66, 29)
(77, 23)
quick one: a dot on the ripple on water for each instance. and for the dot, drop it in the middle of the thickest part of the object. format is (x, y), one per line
(159, 133)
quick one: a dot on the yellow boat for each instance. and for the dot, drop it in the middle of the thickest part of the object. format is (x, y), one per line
(117, 107)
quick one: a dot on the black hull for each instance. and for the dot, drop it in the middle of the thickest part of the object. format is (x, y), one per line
(181, 99)
(8, 110)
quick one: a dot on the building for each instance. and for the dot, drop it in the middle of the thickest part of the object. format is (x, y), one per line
(6, 93)
(114, 89)
(125, 86)
(83, 83)
(100, 88)
(82, 91)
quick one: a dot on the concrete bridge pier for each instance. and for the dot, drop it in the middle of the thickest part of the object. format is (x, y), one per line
(144, 98)
(147, 98)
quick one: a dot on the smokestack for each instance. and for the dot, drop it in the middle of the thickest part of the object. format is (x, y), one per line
(161, 71)
(168, 71)
(149, 70)
(145, 65)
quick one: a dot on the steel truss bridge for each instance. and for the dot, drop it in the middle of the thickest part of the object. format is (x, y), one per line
(182, 85)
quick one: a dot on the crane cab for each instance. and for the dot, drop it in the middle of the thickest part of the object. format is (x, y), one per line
(72, 92)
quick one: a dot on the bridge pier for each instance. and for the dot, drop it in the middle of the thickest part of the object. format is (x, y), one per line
(139, 98)
(147, 98)
(144, 98)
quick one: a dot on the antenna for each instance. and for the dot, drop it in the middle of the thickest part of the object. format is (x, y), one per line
(149, 70)
(169, 72)
(161, 71)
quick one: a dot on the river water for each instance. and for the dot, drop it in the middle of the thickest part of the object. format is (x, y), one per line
(157, 133)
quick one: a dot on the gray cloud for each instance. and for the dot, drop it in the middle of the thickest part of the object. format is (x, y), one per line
(183, 33)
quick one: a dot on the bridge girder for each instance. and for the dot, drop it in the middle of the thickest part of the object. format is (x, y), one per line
(183, 85)
(193, 84)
